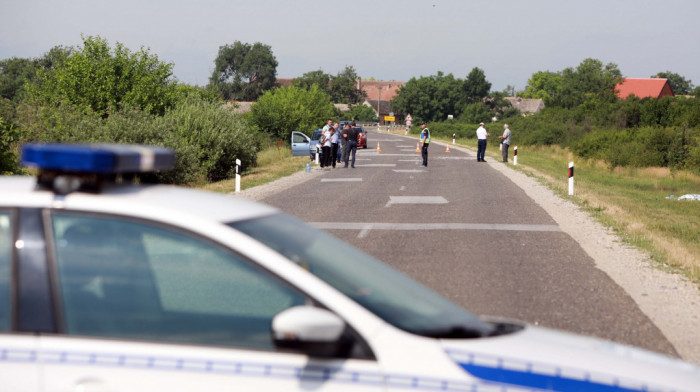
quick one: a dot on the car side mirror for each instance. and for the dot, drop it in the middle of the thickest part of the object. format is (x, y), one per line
(313, 331)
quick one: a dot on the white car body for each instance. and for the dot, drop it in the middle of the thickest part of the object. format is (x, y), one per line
(530, 359)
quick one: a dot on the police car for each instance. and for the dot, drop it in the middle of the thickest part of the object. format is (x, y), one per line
(107, 285)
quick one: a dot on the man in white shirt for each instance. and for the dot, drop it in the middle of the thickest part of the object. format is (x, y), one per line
(481, 135)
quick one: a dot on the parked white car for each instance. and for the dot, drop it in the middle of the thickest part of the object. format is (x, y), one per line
(110, 286)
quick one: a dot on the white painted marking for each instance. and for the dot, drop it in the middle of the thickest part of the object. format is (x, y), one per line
(364, 232)
(378, 165)
(403, 188)
(341, 180)
(409, 160)
(416, 200)
(409, 171)
(364, 226)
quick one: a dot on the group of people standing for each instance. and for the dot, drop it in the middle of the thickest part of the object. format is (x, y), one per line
(481, 135)
(338, 144)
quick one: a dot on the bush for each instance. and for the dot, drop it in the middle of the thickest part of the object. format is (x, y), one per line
(9, 137)
(206, 138)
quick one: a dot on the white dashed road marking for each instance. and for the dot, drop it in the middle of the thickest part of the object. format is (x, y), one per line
(341, 180)
(416, 200)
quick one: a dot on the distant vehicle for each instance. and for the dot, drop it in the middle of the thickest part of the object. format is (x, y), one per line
(361, 137)
(303, 145)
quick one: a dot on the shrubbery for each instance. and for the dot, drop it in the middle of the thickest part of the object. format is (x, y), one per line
(206, 138)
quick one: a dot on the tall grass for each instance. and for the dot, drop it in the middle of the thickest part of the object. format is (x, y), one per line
(632, 201)
(273, 162)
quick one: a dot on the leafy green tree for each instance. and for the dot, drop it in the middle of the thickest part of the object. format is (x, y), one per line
(430, 98)
(9, 137)
(243, 72)
(591, 80)
(363, 113)
(543, 85)
(343, 87)
(679, 84)
(318, 77)
(283, 110)
(475, 113)
(476, 87)
(16, 72)
(103, 80)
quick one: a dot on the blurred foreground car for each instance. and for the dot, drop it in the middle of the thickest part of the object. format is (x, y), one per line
(109, 286)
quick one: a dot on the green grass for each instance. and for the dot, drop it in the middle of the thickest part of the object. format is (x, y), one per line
(274, 162)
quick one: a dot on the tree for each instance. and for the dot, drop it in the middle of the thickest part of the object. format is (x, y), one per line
(362, 113)
(16, 72)
(243, 72)
(543, 85)
(430, 98)
(679, 84)
(319, 78)
(283, 110)
(476, 87)
(342, 88)
(103, 80)
(590, 80)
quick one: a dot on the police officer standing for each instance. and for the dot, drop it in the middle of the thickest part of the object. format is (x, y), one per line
(350, 139)
(425, 143)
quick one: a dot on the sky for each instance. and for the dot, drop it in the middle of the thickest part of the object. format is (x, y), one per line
(382, 39)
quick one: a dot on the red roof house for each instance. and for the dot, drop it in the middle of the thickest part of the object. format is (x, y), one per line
(643, 88)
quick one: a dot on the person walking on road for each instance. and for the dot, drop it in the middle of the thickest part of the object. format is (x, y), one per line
(350, 137)
(425, 143)
(505, 142)
(481, 135)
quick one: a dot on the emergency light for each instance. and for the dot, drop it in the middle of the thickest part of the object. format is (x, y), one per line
(68, 167)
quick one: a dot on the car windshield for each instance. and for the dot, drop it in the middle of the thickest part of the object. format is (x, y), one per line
(382, 290)
(316, 135)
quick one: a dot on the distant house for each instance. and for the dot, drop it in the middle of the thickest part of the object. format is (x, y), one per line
(526, 105)
(378, 95)
(643, 88)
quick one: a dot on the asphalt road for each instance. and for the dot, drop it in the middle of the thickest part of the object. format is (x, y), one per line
(466, 231)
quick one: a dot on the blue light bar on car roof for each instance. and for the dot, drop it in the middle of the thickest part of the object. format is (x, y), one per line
(98, 158)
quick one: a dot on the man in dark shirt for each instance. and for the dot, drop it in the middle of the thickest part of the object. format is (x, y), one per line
(350, 138)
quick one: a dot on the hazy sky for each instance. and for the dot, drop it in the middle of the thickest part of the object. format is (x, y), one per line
(385, 39)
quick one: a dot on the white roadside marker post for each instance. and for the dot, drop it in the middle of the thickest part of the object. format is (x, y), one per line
(238, 176)
(453, 138)
(571, 178)
(316, 161)
(515, 156)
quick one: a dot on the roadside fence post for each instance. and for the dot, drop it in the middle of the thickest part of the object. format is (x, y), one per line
(571, 178)
(238, 175)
